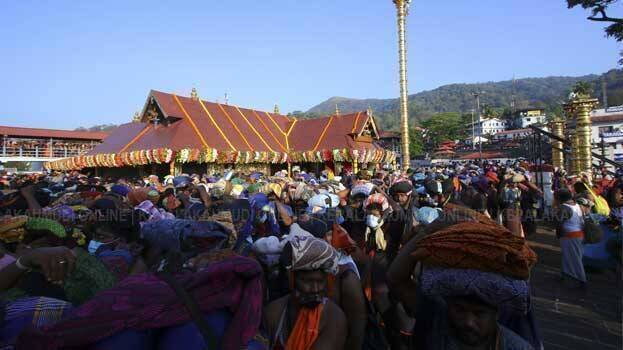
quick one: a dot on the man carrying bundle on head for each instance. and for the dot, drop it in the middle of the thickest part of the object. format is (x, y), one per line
(306, 318)
(470, 273)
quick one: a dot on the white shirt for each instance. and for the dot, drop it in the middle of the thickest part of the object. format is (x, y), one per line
(576, 222)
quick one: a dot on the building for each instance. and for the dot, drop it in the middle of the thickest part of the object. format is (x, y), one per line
(29, 148)
(607, 127)
(390, 140)
(526, 117)
(512, 134)
(184, 133)
(488, 127)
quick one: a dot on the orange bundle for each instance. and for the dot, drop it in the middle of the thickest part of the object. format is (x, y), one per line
(478, 246)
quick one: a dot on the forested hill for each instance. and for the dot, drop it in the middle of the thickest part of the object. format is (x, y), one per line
(529, 92)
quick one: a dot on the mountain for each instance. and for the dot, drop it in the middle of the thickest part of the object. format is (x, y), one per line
(545, 93)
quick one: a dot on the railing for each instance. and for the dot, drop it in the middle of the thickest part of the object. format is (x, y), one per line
(41, 152)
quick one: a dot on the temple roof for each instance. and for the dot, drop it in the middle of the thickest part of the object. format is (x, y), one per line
(177, 122)
(52, 133)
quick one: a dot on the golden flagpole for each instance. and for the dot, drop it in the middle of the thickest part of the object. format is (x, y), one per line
(402, 7)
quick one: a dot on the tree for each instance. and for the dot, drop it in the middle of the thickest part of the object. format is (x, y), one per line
(444, 126)
(598, 14)
(416, 142)
(582, 89)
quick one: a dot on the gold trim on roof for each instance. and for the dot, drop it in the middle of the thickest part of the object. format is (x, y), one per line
(192, 123)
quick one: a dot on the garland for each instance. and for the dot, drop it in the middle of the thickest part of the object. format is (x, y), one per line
(210, 155)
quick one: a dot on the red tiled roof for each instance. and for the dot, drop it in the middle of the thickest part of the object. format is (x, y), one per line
(608, 118)
(51, 133)
(485, 155)
(226, 127)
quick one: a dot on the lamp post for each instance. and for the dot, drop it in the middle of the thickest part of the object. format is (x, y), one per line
(402, 7)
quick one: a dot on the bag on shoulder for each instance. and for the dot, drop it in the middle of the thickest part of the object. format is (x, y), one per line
(592, 231)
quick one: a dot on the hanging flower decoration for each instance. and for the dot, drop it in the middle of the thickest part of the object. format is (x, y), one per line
(210, 155)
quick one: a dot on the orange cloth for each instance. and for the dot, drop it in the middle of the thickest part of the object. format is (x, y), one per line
(574, 234)
(137, 196)
(306, 329)
(473, 245)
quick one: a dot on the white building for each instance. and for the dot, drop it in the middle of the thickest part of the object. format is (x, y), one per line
(607, 125)
(488, 127)
(525, 117)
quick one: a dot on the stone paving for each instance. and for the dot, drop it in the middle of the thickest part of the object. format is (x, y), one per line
(574, 319)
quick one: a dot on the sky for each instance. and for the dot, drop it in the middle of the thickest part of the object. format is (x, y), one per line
(65, 64)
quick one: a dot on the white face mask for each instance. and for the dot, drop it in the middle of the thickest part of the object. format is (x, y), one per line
(373, 221)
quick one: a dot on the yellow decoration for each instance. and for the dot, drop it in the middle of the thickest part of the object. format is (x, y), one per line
(324, 131)
(270, 132)
(255, 131)
(235, 127)
(216, 125)
(190, 120)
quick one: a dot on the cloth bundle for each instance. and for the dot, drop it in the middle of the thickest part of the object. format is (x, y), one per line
(170, 234)
(479, 246)
(310, 253)
(145, 301)
(492, 288)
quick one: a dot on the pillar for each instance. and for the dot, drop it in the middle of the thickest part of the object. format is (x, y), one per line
(569, 132)
(583, 108)
(402, 7)
(355, 170)
(172, 168)
(558, 158)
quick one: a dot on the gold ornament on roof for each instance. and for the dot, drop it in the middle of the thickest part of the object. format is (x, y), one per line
(193, 95)
(137, 117)
(276, 109)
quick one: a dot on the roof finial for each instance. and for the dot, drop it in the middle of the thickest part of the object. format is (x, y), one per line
(276, 110)
(137, 117)
(337, 110)
(369, 111)
(193, 95)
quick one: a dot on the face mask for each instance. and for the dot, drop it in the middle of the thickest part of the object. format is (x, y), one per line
(94, 246)
(372, 221)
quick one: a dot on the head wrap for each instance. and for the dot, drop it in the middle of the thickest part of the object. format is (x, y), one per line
(378, 199)
(491, 288)
(138, 195)
(401, 187)
(43, 224)
(272, 188)
(121, 190)
(257, 202)
(169, 234)
(492, 176)
(303, 192)
(481, 246)
(319, 224)
(364, 188)
(310, 253)
(324, 201)
(426, 215)
(182, 181)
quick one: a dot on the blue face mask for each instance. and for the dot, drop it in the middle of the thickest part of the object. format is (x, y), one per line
(94, 246)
